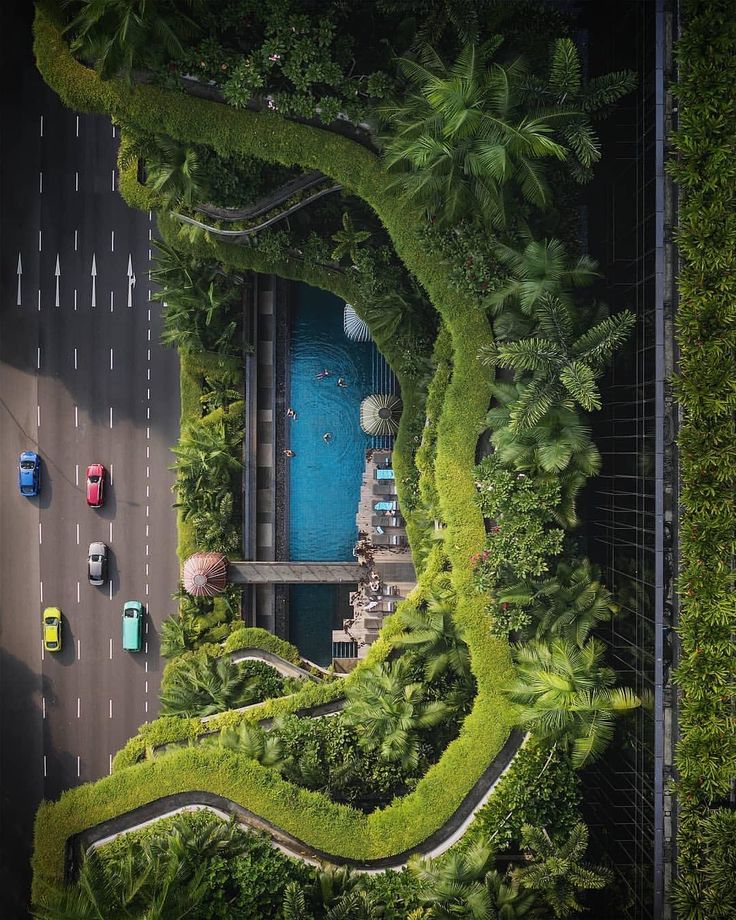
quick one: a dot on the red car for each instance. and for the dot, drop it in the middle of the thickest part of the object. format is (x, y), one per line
(95, 485)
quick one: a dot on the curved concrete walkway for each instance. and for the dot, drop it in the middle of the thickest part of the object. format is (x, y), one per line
(434, 845)
(284, 667)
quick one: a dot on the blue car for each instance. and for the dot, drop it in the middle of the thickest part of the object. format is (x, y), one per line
(29, 473)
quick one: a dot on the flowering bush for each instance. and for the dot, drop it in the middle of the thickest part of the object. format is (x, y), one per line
(521, 536)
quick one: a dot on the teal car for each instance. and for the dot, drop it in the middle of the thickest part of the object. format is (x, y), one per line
(132, 626)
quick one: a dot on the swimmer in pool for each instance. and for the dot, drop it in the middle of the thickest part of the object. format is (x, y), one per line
(327, 437)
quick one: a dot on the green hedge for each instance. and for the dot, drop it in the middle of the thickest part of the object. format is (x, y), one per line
(311, 816)
(705, 172)
(254, 637)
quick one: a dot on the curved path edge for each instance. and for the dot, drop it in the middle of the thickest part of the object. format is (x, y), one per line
(434, 845)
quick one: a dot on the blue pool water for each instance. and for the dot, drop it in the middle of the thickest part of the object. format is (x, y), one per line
(324, 479)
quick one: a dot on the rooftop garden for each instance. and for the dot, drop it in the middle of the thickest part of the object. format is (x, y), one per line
(453, 152)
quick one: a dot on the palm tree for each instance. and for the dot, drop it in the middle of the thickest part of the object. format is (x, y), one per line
(569, 605)
(564, 86)
(208, 453)
(201, 686)
(434, 639)
(120, 36)
(223, 388)
(294, 906)
(391, 712)
(462, 135)
(509, 900)
(96, 895)
(348, 239)
(559, 367)
(454, 884)
(177, 636)
(253, 742)
(174, 171)
(568, 697)
(557, 871)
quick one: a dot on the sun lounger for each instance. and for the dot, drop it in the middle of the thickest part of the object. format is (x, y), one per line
(386, 506)
(386, 521)
(384, 474)
(385, 487)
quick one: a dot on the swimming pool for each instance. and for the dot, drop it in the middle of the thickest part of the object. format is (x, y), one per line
(324, 478)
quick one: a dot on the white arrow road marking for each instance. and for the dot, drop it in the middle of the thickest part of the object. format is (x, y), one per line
(94, 280)
(19, 273)
(57, 274)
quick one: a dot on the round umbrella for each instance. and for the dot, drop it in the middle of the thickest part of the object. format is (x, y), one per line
(205, 574)
(380, 414)
(355, 329)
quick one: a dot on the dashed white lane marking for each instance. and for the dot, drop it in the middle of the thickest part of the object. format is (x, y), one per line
(149, 374)
(145, 653)
(148, 393)
(111, 416)
(75, 298)
(39, 300)
(146, 590)
(147, 570)
(77, 129)
(110, 767)
(149, 237)
(76, 359)
(149, 255)
(149, 356)
(148, 434)
(40, 535)
(111, 589)
(44, 765)
(148, 491)
(43, 706)
(148, 511)
(146, 671)
(40, 584)
(39, 241)
(146, 529)
(76, 240)
(113, 180)
(42, 126)
(78, 596)
(43, 652)
(38, 358)
(146, 681)
(149, 335)
(78, 765)
(77, 534)
(110, 649)
(112, 237)
(147, 544)
(76, 474)
(76, 181)
(113, 130)
(112, 301)
(150, 217)
(111, 709)
(111, 474)
(146, 623)
(38, 416)
(76, 416)
(79, 708)
(146, 705)
(40, 183)
(148, 451)
(110, 531)
(79, 649)
(111, 359)
(148, 472)
(149, 314)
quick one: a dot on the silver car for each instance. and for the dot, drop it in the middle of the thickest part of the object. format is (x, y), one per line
(97, 564)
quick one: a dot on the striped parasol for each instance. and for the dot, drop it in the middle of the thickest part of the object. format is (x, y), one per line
(205, 574)
(355, 329)
(380, 414)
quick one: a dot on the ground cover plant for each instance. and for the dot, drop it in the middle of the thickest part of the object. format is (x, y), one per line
(706, 390)
(410, 252)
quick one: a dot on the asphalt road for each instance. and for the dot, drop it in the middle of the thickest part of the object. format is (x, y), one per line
(83, 379)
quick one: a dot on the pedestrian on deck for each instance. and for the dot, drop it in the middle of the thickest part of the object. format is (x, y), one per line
(288, 452)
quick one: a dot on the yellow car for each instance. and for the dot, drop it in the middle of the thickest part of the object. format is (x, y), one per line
(52, 629)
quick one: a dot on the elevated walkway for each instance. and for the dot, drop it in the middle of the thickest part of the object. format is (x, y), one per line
(294, 573)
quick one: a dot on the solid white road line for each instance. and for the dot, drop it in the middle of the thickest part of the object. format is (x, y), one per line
(38, 416)
(77, 534)
(110, 649)
(79, 649)
(111, 709)
(110, 531)
(76, 474)
(41, 588)
(111, 416)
